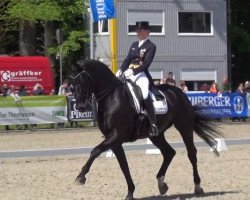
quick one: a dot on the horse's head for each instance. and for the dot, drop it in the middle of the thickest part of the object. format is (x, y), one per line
(82, 85)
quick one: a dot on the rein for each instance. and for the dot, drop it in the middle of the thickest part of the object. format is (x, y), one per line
(105, 92)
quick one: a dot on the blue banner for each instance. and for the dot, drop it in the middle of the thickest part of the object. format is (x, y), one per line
(102, 9)
(248, 103)
(220, 105)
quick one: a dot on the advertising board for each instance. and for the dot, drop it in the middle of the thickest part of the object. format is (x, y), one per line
(222, 105)
(27, 71)
(33, 110)
(76, 115)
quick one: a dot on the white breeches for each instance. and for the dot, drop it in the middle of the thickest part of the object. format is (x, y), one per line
(142, 81)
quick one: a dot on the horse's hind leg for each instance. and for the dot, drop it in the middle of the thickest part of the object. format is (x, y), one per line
(188, 138)
(121, 157)
(168, 153)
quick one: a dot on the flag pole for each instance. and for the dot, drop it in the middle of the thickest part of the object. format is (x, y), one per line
(113, 44)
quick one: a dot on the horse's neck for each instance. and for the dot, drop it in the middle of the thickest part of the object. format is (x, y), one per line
(104, 86)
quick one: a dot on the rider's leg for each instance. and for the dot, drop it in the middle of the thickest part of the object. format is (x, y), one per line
(151, 116)
(143, 83)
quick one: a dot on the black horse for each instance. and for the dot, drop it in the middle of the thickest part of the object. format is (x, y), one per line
(117, 121)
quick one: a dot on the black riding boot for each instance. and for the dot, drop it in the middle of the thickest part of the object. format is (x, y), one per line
(153, 131)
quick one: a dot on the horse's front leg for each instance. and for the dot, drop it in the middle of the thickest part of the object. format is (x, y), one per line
(122, 160)
(103, 146)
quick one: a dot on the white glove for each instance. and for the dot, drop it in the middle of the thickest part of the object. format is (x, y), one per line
(118, 73)
(128, 73)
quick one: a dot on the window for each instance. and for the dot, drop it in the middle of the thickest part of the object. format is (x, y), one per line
(155, 19)
(193, 23)
(101, 27)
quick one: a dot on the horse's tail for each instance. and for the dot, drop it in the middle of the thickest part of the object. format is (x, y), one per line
(206, 129)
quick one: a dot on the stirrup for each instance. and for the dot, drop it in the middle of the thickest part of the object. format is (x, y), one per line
(153, 131)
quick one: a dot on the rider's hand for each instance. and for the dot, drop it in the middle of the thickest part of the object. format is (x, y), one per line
(118, 73)
(128, 73)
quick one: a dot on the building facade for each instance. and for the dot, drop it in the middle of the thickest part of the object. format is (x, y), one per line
(190, 35)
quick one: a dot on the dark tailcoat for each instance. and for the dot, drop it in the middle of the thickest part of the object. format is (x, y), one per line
(141, 56)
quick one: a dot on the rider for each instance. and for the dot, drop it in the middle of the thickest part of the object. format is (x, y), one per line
(135, 67)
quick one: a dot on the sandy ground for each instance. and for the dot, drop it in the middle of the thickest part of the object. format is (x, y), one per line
(225, 177)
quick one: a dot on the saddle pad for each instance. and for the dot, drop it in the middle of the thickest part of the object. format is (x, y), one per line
(161, 107)
(135, 99)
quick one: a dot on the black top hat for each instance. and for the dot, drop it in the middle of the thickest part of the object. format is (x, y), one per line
(142, 25)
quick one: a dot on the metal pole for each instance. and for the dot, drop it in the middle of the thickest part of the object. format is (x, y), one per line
(61, 59)
(229, 48)
(91, 54)
(91, 35)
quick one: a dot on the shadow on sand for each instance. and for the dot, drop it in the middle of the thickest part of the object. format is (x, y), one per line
(186, 196)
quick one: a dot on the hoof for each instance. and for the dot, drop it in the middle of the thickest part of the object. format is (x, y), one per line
(129, 198)
(80, 181)
(163, 188)
(198, 190)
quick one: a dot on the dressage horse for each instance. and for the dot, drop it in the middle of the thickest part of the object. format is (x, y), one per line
(118, 122)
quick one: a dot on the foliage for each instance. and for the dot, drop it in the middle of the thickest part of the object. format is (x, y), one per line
(240, 40)
(35, 10)
(72, 43)
(68, 15)
(240, 29)
(8, 31)
(46, 10)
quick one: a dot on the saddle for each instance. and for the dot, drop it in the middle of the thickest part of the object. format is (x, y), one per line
(136, 99)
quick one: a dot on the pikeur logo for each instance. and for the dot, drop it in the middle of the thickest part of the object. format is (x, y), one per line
(9, 75)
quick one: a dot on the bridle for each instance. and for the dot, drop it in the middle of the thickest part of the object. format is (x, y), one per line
(99, 96)
(88, 85)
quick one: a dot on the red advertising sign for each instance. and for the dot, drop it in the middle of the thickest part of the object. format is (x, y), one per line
(27, 71)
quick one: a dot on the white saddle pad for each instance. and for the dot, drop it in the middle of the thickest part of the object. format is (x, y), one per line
(161, 107)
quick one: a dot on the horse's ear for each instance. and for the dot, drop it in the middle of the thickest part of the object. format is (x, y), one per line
(80, 63)
(74, 69)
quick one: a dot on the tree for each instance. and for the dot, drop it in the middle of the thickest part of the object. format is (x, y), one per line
(8, 31)
(38, 20)
(240, 40)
